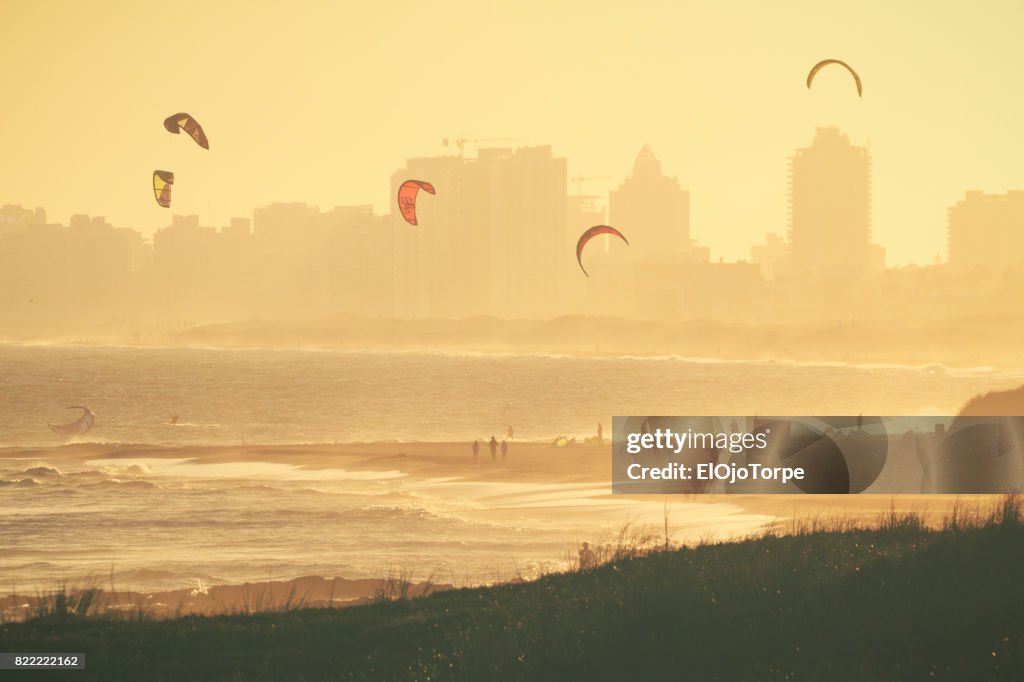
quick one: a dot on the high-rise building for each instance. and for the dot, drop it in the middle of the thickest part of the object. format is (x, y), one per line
(356, 262)
(830, 208)
(15, 218)
(651, 209)
(441, 264)
(585, 294)
(286, 278)
(188, 272)
(987, 231)
(771, 256)
(491, 241)
(528, 260)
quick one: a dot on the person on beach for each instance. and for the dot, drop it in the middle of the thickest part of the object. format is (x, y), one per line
(587, 558)
(493, 445)
(510, 432)
(504, 449)
(476, 449)
(600, 434)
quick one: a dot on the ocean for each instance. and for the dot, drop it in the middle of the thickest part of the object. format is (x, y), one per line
(160, 523)
(229, 397)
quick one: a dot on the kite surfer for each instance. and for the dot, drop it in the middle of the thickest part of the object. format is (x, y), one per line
(77, 427)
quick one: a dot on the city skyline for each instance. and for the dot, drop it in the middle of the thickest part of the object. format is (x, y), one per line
(304, 104)
(498, 240)
(600, 207)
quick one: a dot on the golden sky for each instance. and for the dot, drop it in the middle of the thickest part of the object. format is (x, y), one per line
(322, 101)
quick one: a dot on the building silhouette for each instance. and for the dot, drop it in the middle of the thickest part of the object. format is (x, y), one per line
(15, 218)
(586, 295)
(772, 256)
(490, 242)
(52, 276)
(285, 243)
(830, 209)
(442, 264)
(652, 209)
(356, 260)
(191, 277)
(986, 231)
(527, 226)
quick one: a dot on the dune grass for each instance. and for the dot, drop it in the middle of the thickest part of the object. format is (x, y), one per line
(818, 599)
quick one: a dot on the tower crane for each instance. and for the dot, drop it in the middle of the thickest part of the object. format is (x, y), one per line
(579, 180)
(461, 142)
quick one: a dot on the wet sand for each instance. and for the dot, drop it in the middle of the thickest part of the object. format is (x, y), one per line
(525, 463)
(575, 469)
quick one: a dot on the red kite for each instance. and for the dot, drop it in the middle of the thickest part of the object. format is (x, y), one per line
(407, 198)
(822, 64)
(590, 234)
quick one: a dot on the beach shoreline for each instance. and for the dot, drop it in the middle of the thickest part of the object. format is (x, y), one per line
(445, 462)
(536, 483)
(525, 461)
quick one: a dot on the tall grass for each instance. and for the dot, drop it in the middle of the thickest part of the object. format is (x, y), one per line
(399, 586)
(264, 601)
(635, 541)
(64, 603)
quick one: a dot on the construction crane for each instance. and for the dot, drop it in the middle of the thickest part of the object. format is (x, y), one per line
(586, 203)
(461, 142)
(579, 180)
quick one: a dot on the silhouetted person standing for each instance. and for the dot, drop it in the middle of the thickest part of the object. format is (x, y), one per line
(510, 432)
(504, 449)
(600, 433)
(476, 449)
(493, 445)
(587, 558)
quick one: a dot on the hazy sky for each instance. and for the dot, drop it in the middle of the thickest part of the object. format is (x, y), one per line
(320, 102)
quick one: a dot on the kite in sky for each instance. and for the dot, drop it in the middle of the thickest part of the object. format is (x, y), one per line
(825, 62)
(77, 427)
(407, 198)
(590, 234)
(183, 121)
(162, 181)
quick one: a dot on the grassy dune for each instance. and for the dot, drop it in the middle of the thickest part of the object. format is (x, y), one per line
(820, 600)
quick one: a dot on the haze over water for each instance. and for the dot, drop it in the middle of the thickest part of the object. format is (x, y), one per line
(283, 396)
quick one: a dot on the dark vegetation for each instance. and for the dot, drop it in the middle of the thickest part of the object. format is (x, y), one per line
(821, 600)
